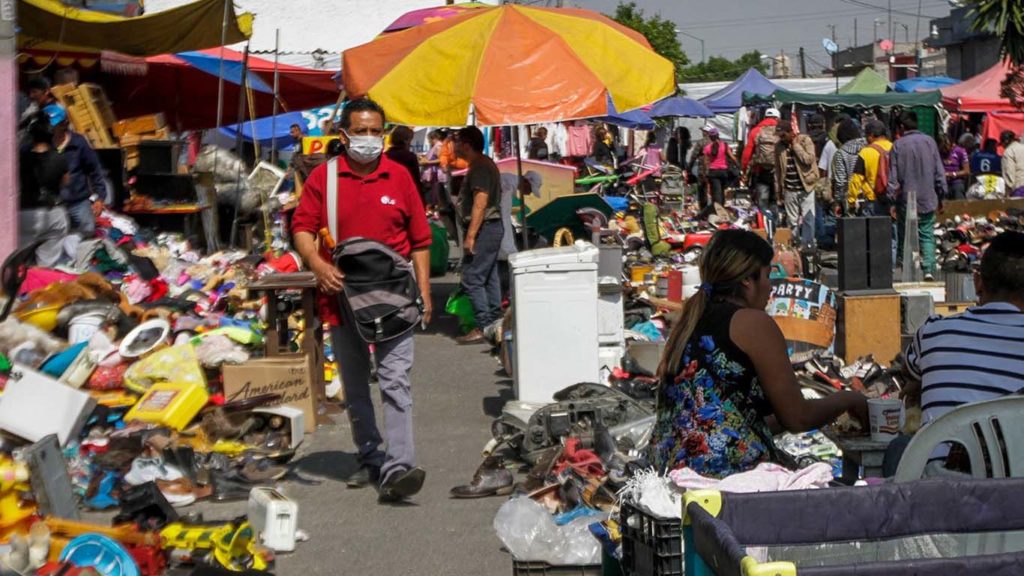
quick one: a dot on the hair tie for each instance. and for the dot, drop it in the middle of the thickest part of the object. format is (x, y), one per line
(707, 288)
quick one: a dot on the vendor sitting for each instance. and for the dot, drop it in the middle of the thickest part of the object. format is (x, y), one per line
(726, 377)
(977, 355)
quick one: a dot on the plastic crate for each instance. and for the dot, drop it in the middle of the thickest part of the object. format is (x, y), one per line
(651, 546)
(523, 568)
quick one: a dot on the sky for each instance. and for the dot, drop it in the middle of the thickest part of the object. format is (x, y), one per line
(731, 27)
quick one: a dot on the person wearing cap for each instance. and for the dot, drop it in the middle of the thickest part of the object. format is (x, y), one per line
(796, 173)
(759, 168)
(1013, 164)
(85, 183)
(42, 173)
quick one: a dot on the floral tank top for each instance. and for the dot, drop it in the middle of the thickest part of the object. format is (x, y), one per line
(710, 416)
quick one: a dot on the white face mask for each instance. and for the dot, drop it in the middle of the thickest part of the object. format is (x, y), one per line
(364, 149)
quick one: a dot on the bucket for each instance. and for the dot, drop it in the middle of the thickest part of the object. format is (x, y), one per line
(82, 327)
(691, 280)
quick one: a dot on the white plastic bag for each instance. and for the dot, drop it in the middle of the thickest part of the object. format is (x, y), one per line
(530, 533)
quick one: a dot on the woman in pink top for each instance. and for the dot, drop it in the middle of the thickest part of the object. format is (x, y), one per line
(716, 158)
(652, 157)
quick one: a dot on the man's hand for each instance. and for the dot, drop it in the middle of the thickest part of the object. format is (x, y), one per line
(328, 278)
(428, 307)
(469, 244)
(892, 213)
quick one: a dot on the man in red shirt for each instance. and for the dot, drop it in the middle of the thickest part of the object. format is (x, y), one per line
(378, 200)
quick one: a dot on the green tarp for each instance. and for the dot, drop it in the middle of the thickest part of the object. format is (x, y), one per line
(867, 82)
(887, 100)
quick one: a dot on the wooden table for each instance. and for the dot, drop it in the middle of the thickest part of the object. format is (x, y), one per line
(276, 339)
(859, 452)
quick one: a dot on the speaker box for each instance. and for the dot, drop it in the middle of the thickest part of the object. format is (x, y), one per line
(914, 311)
(879, 251)
(853, 256)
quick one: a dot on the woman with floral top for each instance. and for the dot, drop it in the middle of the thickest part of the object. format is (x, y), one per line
(726, 379)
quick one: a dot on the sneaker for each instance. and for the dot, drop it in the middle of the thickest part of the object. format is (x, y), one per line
(402, 485)
(929, 277)
(150, 470)
(363, 477)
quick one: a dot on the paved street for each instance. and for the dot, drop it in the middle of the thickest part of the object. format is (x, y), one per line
(456, 391)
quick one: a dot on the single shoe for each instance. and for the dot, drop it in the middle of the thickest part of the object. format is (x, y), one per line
(365, 476)
(537, 478)
(151, 469)
(929, 277)
(490, 479)
(401, 485)
(257, 471)
(475, 336)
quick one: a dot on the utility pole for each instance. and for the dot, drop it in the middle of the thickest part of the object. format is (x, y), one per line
(890, 21)
(8, 141)
(803, 64)
(854, 31)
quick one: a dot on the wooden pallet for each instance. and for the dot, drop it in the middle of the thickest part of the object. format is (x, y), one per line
(88, 111)
(148, 124)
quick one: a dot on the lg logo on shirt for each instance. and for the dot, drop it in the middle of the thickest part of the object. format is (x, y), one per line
(388, 201)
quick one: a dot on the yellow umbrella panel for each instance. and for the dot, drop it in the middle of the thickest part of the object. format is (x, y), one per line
(514, 64)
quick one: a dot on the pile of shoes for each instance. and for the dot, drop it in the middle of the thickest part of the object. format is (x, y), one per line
(962, 239)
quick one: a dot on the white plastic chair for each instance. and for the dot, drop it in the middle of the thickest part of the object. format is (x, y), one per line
(991, 432)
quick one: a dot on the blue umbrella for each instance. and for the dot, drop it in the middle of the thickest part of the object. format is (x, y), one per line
(210, 63)
(267, 129)
(679, 107)
(634, 119)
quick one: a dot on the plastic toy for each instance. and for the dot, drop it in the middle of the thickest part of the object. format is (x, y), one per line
(14, 517)
(232, 545)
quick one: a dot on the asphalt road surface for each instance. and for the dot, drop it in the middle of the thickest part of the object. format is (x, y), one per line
(457, 390)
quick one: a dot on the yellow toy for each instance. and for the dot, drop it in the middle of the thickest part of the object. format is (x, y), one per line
(230, 545)
(13, 516)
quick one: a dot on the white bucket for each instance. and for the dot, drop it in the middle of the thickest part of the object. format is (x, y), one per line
(81, 328)
(691, 280)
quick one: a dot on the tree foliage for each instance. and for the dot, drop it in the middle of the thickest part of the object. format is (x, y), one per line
(1005, 18)
(718, 68)
(661, 33)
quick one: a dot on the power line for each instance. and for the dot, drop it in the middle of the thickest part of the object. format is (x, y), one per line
(786, 18)
(886, 9)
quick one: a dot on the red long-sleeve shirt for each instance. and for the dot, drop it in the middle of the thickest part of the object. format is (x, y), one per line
(384, 206)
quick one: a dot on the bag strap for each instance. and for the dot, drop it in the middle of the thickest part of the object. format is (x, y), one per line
(332, 198)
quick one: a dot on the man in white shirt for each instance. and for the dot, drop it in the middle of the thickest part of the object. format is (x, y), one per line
(1013, 164)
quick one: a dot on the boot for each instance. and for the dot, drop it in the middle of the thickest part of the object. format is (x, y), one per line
(490, 479)
(537, 478)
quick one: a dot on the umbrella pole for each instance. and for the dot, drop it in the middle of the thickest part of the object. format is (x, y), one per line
(519, 186)
(273, 117)
(238, 144)
(220, 109)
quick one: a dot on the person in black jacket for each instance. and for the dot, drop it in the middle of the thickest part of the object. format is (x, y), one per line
(43, 172)
(85, 183)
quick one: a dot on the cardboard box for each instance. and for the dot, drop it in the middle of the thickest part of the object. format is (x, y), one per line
(288, 376)
(139, 125)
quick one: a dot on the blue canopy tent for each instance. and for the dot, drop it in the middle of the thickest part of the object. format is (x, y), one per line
(924, 83)
(730, 99)
(679, 107)
(267, 129)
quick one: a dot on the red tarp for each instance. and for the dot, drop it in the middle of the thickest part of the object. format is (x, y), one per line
(980, 93)
(187, 96)
(996, 122)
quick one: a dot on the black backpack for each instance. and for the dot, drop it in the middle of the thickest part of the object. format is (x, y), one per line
(380, 296)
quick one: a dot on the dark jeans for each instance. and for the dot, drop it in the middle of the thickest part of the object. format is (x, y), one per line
(718, 179)
(480, 278)
(957, 189)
